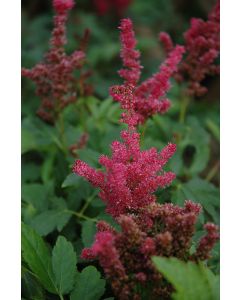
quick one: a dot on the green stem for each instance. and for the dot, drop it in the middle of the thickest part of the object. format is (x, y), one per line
(85, 206)
(183, 108)
(88, 218)
(80, 215)
(213, 171)
(61, 296)
(62, 132)
(213, 127)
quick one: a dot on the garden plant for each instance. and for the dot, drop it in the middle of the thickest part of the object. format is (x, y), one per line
(120, 160)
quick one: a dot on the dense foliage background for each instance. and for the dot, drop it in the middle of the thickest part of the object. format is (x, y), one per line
(62, 208)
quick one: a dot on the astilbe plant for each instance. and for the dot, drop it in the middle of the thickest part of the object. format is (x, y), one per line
(162, 230)
(149, 97)
(127, 186)
(54, 79)
(202, 44)
(131, 176)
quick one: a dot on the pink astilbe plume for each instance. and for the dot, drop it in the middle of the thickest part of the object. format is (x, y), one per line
(56, 85)
(129, 55)
(131, 176)
(126, 256)
(127, 186)
(149, 97)
(202, 44)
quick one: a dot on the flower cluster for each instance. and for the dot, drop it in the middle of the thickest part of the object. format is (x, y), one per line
(128, 184)
(202, 44)
(105, 6)
(132, 175)
(149, 97)
(56, 85)
(163, 230)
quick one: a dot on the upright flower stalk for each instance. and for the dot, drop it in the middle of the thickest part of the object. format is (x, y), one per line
(202, 44)
(127, 186)
(149, 97)
(56, 85)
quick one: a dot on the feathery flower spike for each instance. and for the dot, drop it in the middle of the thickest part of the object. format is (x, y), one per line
(202, 44)
(149, 97)
(56, 85)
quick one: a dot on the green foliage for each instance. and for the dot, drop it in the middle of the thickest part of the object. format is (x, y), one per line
(52, 219)
(37, 136)
(89, 285)
(57, 272)
(200, 191)
(37, 256)
(191, 281)
(71, 180)
(64, 265)
(88, 233)
(36, 195)
(30, 287)
(196, 137)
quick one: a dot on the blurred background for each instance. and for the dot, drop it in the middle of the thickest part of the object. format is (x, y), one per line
(102, 17)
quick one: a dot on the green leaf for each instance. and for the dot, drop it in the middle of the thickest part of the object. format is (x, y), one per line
(88, 233)
(45, 222)
(49, 220)
(31, 289)
(192, 281)
(107, 139)
(71, 180)
(56, 216)
(37, 256)
(36, 135)
(64, 262)
(89, 156)
(193, 148)
(47, 167)
(200, 191)
(197, 137)
(89, 285)
(30, 172)
(60, 206)
(28, 140)
(36, 194)
(84, 188)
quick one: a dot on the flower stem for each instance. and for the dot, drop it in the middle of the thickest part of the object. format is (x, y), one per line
(80, 216)
(85, 206)
(62, 133)
(213, 171)
(61, 296)
(183, 108)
